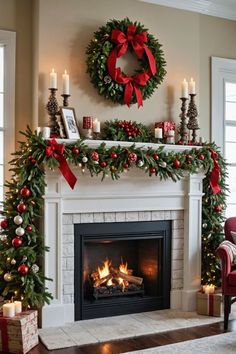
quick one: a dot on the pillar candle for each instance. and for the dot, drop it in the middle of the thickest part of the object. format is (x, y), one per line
(158, 133)
(9, 310)
(53, 79)
(96, 126)
(192, 87)
(184, 89)
(18, 306)
(65, 83)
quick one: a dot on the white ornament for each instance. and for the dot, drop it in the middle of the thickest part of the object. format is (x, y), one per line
(162, 164)
(96, 162)
(140, 163)
(7, 277)
(20, 231)
(35, 268)
(3, 238)
(85, 159)
(18, 220)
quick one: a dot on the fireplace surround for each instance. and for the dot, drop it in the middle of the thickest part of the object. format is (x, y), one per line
(133, 198)
(145, 247)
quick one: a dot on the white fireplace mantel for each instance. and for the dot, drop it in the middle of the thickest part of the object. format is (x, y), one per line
(134, 191)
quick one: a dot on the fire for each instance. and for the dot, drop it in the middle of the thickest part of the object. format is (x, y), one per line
(105, 271)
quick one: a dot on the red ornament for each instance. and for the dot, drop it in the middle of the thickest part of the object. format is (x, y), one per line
(126, 166)
(201, 157)
(21, 207)
(155, 157)
(214, 155)
(133, 157)
(176, 163)
(152, 170)
(30, 157)
(180, 142)
(25, 192)
(94, 156)
(75, 150)
(23, 269)
(29, 228)
(16, 242)
(4, 224)
(103, 164)
(218, 208)
(33, 161)
(114, 155)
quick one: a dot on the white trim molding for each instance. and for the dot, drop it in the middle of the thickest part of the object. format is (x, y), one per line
(220, 8)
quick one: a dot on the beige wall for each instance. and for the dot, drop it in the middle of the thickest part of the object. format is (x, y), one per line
(15, 15)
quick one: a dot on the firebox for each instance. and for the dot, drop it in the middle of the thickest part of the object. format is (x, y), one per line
(121, 268)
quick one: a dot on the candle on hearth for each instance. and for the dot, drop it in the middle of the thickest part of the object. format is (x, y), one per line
(158, 133)
(96, 126)
(9, 310)
(18, 306)
(184, 89)
(192, 87)
(53, 79)
(65, 83)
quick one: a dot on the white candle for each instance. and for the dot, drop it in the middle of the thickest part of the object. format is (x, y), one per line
(9, 310)
(184, 89)
(53, 79)
(171, 133)
(65, 83)
(192, 86)
(96, 126)
(158, 133)
(18, 306)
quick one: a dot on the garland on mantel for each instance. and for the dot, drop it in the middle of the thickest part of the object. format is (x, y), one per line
(21, 244)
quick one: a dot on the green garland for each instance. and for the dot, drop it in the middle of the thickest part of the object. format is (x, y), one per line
(98, 52)
(27, 188)
(122, 130)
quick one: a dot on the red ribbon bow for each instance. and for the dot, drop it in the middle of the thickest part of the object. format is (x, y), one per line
(138, 42)
(215, 174)
(57, 150)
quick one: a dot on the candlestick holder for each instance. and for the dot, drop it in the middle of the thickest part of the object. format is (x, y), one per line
(183, 121)
(65, 99)
(192, 114)
(53, 109)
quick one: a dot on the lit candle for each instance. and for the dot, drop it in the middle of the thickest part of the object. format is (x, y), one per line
(171, 133)
(158, 133)
(65, 83)
(192, 87)
(53, 79)
(209, 289)
(184, 89)
(96, 126)
(18, 306)
(9, 310)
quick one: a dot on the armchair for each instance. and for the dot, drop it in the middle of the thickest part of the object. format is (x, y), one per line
(228, 272)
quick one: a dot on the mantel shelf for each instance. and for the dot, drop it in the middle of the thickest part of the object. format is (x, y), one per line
(109, 143)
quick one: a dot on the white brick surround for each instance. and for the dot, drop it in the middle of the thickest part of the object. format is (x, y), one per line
(134, 197)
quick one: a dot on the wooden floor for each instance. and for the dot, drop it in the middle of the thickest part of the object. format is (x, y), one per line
(143, 342)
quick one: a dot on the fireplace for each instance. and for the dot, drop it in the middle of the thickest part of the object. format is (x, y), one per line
(121, 268)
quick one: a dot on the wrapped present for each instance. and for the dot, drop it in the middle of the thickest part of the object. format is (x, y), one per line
(166, 126)
(209, 304)
(19, 334)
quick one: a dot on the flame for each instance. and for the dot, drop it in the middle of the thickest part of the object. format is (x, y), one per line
(123, 267)
(104, 270)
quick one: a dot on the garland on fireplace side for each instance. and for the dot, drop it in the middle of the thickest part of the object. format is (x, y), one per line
(21, 243)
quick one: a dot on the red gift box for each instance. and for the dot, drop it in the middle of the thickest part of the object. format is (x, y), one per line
(166, 126)
(209, 304)
(19, 334)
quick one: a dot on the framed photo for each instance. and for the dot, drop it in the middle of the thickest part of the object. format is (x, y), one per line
(69, 120)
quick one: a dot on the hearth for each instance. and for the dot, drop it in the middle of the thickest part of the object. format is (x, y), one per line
(121, 268)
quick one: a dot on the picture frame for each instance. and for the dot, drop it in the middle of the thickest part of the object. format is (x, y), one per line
(69, 120)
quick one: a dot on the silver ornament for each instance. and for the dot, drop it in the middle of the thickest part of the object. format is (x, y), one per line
(18, 220)
(204, 225)
(3, 238)
(20, 231)
(107, 79)
(85, 159)
(162, 164)
(140, 163)
(7, 277)
(24, 259)
(13, 261)
(35, 268)
(96, 162)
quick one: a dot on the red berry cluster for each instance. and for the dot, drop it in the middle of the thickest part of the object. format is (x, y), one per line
(129, 128)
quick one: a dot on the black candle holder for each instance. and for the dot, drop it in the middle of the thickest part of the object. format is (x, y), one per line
(183, 121)
(65, 100)
(192, 114)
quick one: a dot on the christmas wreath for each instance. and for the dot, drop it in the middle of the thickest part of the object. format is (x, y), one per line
(111, 42)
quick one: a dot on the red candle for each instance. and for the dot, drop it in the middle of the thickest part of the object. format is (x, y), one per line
(87, 122)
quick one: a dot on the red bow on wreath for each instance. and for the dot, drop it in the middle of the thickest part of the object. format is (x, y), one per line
(57, 150)
(138, 42)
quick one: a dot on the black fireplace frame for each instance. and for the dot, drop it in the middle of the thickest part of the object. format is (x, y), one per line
(128, 231)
